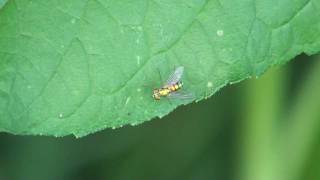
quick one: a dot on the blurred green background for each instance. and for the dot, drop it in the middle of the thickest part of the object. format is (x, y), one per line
(259, 129)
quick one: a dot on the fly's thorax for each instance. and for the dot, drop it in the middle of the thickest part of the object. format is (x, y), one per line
(157, 93)
(164, 91)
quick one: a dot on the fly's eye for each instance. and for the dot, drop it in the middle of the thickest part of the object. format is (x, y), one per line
(156, 96)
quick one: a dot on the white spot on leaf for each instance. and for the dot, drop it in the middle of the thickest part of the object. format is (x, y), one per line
(128, 100)
(209, 84)
(220, 32)
(139, 28)
(138, 60)
(60, 115)
(139, 90)
(73, 21)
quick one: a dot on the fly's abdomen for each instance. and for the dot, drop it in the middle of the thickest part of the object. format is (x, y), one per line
(175, 87)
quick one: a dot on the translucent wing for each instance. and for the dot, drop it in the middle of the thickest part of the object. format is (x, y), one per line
(181, 95)
(175, 76)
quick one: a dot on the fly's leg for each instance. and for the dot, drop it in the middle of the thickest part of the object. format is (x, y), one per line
(169, 101)
(181, 95)
(159, 73)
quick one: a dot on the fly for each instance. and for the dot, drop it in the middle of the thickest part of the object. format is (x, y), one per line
(172, 87)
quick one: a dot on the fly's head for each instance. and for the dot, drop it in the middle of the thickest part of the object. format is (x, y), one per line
(156, 94)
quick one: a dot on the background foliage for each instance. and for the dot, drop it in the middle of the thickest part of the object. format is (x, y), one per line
(264, 129)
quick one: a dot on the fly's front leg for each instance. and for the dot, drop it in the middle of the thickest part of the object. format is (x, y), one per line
(159, 73)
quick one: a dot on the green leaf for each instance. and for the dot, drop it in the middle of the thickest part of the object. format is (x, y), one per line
(2, 2)
(76, 67)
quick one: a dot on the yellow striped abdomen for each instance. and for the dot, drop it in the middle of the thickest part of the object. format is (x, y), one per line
(175, 87)
(165, 91)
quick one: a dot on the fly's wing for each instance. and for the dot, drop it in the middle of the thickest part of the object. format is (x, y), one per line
(175, 76)
(181, 95)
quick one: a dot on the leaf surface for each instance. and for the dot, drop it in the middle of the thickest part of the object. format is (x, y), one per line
(76, 67)
(2, 2)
